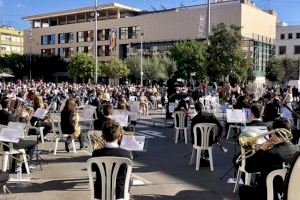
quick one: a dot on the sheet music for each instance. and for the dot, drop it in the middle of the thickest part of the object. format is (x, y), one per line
(88, 111)
(12, 135)
(172, 107)
(121, 117)
(40, 113)
(235, 116)
(133, 116)
(17, 125)
(133, 143)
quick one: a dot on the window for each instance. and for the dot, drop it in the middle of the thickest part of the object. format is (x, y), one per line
(47, 52)
(103, 50)
(5, 37)
(129, 32)
(85, 36)
(47, 39)
(297, 49)
(104, 34)
(65, 52)
(290, 36)
(64, 38)
(83, 49)
(5, 48)
(282, 36)
(298, 35)
(282, 50)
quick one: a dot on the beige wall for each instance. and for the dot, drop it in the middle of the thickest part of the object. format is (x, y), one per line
(168, 26)
(255, 21)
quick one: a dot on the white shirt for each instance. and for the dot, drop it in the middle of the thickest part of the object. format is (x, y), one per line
(111, 145)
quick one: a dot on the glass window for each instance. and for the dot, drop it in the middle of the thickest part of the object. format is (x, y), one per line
(282, 36)
(85, 36)
(290, 36)
(65, 52)
(129, 32)
(298, 35)
(83, 49)
(47, 39)
(64, 38)
(47, 52)
(282, 50)
(297, 49)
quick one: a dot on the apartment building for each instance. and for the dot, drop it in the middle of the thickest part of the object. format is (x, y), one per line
(11, 41)
(120, 27)
(287, 40)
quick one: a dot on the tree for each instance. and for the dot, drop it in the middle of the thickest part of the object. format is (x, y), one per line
(170, 66)
(275, 71)
(134, 65)
(225, 54)
(190, 57)
(291, 69)
(82, 65)
(154, 69)
(115, 68)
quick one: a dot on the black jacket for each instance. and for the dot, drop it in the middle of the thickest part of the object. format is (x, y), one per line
(117, 152)
(199, 118)
(5, 117)
(98, 123)
(67, 122)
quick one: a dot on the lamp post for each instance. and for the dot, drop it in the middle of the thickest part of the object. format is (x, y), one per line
(142, 34)
(208, 18)
(96, 42)
(30, 52)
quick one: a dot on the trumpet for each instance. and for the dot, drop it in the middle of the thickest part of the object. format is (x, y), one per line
(249, 141)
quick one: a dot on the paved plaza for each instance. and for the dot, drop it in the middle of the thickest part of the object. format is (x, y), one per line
(162, 172)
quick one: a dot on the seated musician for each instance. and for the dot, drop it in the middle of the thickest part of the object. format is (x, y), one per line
(268, 158)
(70, 123)
(28, 145)
(38, 102)
(107, 112)
(111, 134)
(256, 115)
(200, 118)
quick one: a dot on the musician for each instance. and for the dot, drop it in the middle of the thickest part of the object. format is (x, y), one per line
(271, 111)
(256, 115)
(38, 102)
(267, 159)
(107, 111)
(70, 123)
(200, 118)
(111, 134)
(288, 98)
(28, 145)
(97, 102)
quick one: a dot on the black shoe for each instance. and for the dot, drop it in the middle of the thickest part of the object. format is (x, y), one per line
(83, 147)
(67, 147)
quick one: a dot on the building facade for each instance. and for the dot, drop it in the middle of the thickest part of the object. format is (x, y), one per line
(120, 27)
(287, 40)
(11, 41)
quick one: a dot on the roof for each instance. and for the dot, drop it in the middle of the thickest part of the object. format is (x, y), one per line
(81, 10)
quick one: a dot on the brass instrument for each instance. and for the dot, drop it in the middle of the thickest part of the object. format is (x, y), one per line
(249, 141)
(20, 109)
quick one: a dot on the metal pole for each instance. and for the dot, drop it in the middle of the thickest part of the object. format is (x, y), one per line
(208, 18)
(142, 34)
(96, 42)
(30, 53)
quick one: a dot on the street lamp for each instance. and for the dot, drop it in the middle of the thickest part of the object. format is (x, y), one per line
(30, 52)
(142, 34)
(96, 41)
(208, 18)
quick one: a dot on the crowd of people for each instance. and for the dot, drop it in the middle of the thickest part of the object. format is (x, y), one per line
(19, 101)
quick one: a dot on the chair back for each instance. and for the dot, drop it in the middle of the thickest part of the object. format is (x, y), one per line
(179, 119)
(109, 167)
(205, 129)
(270, 180)
(55, 122)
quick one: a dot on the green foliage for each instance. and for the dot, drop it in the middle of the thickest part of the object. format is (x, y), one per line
(275, 71)
(115, 68)
(225, 54)
(82, 65)
(134, 65)
(283, 70)
(190, 57)
(153, 69)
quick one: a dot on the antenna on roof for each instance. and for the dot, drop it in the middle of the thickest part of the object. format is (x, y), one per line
(163, 7)
(153, 8)
(183, 6)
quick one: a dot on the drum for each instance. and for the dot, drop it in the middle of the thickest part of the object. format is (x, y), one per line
(292, 180)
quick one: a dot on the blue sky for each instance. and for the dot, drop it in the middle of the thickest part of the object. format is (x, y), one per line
(11, 11)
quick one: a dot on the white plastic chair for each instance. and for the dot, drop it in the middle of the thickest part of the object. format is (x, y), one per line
(240, 171)
(270, 179)
(179, 124)
(57, 134)
(109, 167)
(11, 153)
(205, 130)
(232, 126)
